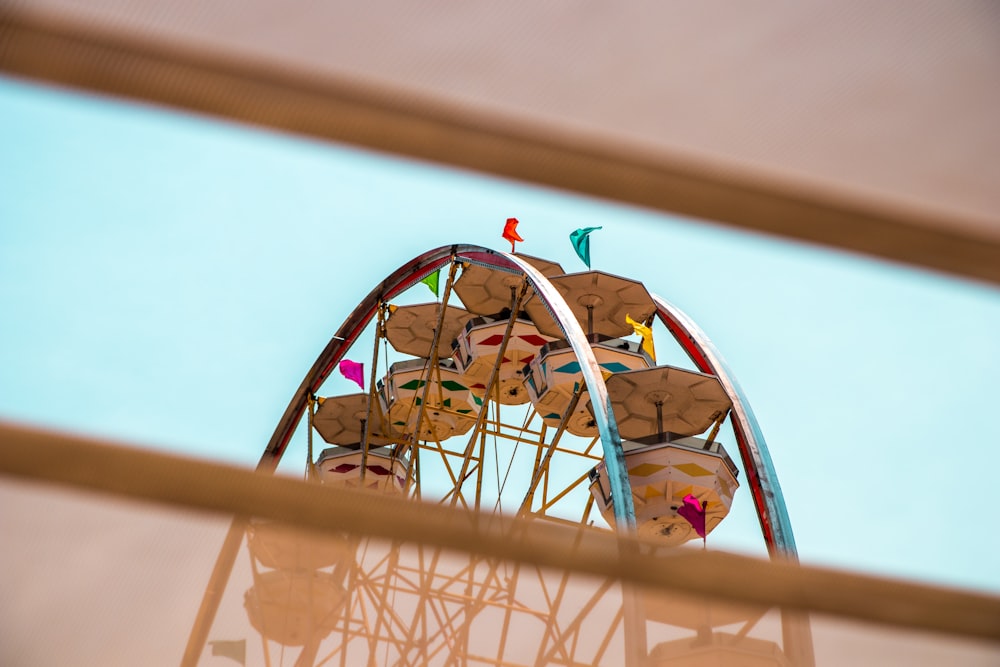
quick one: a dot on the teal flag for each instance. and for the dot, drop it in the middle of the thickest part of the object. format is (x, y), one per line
(432, 281)
(237, 650)
(581, 243)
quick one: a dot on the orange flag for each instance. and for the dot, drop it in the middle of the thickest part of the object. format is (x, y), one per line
(510, 232)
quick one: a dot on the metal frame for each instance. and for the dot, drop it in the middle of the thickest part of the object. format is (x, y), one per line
(775, 525)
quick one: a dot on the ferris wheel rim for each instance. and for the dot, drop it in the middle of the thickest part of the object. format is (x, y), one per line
(411, 273)
(767, 497)
(762, 477)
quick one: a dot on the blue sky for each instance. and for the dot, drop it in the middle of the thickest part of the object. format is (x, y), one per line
(167, 280)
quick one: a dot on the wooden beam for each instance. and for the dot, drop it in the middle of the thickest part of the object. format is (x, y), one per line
(107, 60)
(143, 475)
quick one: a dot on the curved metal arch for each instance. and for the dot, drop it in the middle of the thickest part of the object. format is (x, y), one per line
(761, 476)
(399, 281)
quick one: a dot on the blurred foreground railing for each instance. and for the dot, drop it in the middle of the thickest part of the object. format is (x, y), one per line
(81, 463)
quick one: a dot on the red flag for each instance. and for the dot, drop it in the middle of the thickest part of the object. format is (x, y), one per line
(352, 370)
(510, 232)
(694, 512)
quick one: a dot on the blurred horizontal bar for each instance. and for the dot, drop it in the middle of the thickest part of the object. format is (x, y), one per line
(142, 475)
(108, 59)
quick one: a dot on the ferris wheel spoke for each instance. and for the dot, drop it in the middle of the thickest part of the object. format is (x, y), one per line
(423, 604)
(508, 614)
(612, 630)
(588, 506)
(560, 640)
(476, 593)
(384, 610)
(548, 504)
(543, 466)
(435, 344)
(516, 298)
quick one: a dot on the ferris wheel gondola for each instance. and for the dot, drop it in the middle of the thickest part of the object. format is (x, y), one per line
(532, 376)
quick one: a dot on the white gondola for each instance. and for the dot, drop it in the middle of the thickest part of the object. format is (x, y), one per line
(554, 376)
(292, 607)
(347, 420)
(485, 290)
(341, 466)
(600, 301)
(476, 348)
(657, 410)
(451, 408)
(661, 475)
(718, 650)
(277, 545)
(696, 612)
(412, 329)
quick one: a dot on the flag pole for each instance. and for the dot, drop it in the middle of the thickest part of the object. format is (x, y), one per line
(704, 538)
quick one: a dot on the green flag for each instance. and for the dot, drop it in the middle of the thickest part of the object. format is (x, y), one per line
(432, 281)
(581, 243)
(237, 650)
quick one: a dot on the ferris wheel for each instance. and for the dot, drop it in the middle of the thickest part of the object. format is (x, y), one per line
(520, 390)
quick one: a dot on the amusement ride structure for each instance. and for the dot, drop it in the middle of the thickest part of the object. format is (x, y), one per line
(521, 390)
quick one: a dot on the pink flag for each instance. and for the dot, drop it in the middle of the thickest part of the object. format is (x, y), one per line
(352, 370)
(694, 512)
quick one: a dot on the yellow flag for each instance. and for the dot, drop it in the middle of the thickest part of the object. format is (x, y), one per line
(647, 336)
